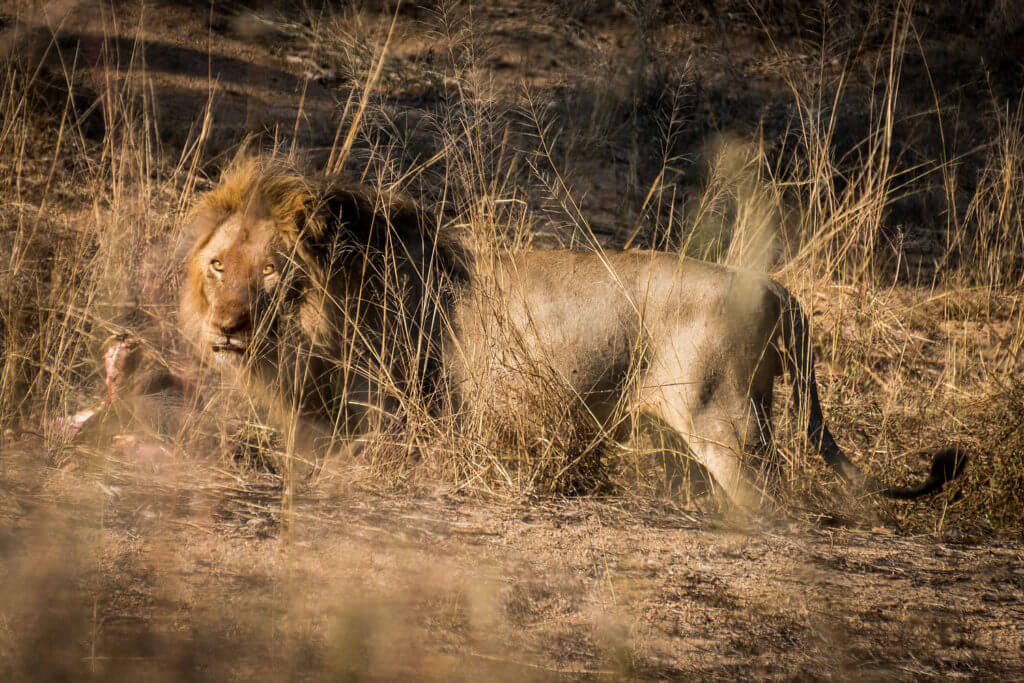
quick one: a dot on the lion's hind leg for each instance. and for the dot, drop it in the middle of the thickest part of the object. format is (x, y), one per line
(661, 447)
(726, 431)
(717, 439)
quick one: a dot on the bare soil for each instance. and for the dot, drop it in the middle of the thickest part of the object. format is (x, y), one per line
(180, 573)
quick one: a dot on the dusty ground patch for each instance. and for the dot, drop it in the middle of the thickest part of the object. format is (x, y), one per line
(118, 572)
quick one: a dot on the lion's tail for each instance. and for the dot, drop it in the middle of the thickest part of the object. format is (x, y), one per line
(797, 355)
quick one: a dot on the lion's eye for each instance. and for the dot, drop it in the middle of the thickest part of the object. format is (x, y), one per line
(217, 265)
(268, 269)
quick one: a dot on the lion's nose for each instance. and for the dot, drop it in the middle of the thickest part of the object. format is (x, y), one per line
(234, 323)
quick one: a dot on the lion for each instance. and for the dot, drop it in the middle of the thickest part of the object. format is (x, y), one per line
(345, 299)
(313, 290)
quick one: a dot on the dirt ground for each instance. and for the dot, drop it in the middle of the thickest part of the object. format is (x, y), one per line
(181, 568)
(180, 575)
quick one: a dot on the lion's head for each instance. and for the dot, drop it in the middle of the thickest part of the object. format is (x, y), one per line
(248, 252)
(285, 263)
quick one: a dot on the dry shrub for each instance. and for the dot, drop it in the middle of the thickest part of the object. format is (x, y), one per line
(987, 246)
(536, 433)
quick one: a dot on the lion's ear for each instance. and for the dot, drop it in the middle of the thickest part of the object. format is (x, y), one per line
(406, 219)
(349, 208)
(202, 221)
(366, 216)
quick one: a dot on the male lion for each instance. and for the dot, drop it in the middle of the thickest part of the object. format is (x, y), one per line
(317, 291)
(344, 300)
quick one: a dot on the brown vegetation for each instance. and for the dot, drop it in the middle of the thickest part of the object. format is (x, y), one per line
(868, 155)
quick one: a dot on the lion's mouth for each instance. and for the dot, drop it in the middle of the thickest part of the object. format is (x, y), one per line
(230, 346)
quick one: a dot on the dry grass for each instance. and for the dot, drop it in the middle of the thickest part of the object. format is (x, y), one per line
(918, 330)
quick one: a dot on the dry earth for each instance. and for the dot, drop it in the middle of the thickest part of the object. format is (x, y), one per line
(177, 573)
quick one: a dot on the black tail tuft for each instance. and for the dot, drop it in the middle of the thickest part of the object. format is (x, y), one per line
(947, 465)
